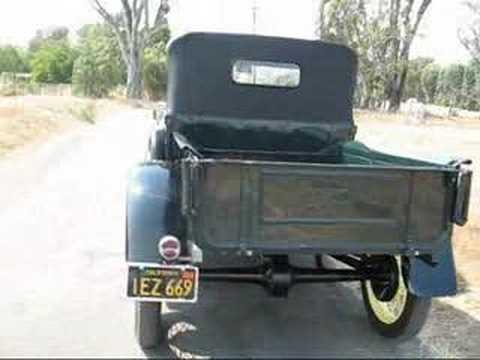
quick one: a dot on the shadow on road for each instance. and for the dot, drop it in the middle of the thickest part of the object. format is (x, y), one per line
(315, 321)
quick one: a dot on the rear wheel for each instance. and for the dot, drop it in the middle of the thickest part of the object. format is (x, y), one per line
(392, 309)
(148, 323)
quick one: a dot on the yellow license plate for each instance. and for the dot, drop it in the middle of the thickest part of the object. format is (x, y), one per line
(163, 283)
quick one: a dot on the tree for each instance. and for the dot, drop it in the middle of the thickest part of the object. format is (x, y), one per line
(53, 63)
(98, 67)
(469, 35)
(55, 33)
(406, 27)
(429, 82)
(450, 84)
(469, 92)
(413, 85)
(12, 60)
(155, 68)
(382, 33)
(353, 23)
(134, 29)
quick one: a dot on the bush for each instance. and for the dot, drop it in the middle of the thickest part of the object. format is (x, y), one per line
(155, 66)
(429, 80)
(155, 79)
(53, 63)
(12, 60)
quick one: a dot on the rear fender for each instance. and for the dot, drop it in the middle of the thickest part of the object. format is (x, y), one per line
(433, 279)
(153, 210)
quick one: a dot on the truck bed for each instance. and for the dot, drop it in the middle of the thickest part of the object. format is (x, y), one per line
(367, 202)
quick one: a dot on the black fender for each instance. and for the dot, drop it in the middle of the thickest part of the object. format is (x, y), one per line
(433, 278)
(153, 210)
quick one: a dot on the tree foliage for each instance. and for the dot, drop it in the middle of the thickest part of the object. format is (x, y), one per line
(134, 30)
(414, 83)
(53, 62)
(95, 63)
(43, 36)
(98, 68)
(382, 33)
(155, 66)
(13, 60)
(450, 85)
(429, 82)
(469, 34)
(455, 85)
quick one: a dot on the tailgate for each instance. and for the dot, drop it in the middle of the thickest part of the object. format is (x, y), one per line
(290, 207)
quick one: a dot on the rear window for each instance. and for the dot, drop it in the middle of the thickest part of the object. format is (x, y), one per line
(266, 73)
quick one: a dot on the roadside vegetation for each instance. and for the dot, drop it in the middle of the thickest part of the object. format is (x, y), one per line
(32, 119)
(113, 54)
(382, 33)
(59, 79)
(94, 65)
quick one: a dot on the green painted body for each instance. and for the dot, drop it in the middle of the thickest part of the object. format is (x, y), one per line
(369, 202)
(271, 171)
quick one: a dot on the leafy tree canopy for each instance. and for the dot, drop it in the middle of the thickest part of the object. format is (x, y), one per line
(52, 34)
(53, 62)
(155, 65)
(99, 67)
(13, 60)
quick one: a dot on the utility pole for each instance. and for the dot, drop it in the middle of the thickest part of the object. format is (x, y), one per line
(254, 23)
(254, 14)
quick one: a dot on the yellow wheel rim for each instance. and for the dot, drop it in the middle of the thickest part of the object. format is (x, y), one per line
(389, 312)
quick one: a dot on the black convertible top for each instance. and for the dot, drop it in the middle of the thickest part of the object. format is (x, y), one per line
(215, 113)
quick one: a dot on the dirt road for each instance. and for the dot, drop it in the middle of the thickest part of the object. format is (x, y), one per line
(63, 273)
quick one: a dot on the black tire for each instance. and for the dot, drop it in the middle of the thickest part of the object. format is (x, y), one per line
(148, 324)
(157, 145)
(410, 319)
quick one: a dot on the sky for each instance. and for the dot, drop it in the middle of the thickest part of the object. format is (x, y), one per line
(19, 19)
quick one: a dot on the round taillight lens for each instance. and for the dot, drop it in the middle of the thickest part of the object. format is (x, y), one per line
(169, 248)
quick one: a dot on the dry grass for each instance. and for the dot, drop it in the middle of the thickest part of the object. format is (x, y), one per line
(85, 112)
(454, 137)
(28, 119)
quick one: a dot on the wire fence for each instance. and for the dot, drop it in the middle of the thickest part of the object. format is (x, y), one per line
(21, 84)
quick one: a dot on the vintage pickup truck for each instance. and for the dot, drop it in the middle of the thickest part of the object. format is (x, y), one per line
(255, 161)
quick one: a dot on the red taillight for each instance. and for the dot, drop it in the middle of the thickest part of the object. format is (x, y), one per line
(169, 248)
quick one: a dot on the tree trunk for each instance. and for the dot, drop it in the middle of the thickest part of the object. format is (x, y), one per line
(132, 36)
(396, 95)
(134, 77)
(134, 82)
(398, 84)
